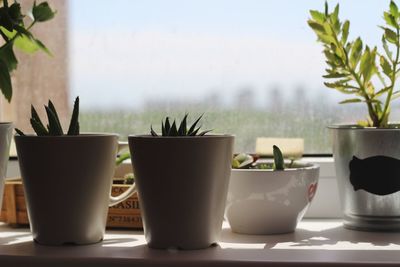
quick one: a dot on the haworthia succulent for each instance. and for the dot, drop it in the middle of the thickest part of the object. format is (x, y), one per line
(168, 129)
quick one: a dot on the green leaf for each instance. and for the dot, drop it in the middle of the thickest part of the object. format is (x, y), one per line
(5, 19)
(167, 126)
(345, 31)
(394, 10)
(35, 116)
(74, 123)
(278, 159)
(182, 128)
(37, 127)
(317, 27)
(19, 132)
(317, 16)
(335, 75)
(15, 14)
(5, 81)
(382, 91)
(173, 131)
(386, 67)
(53, 109)
(390, 19)
(54, 126)
(390, 36)
(153, 133)
(356, 52)
(191, 130)
(353, 100)
(367, 64)
(8, 56)
(389, 54)
(121, 158)
(204, 132)
(42, 12)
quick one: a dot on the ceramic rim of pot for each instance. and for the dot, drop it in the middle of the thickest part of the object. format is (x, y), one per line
(359, 128)
(180, 137)
(306, 166)
(82, 135)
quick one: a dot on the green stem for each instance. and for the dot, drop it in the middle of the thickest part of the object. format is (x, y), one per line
(393, 79)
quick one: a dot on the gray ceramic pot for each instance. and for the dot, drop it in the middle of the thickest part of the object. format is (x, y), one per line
(182, 185)
(367, 162)
(67, 182)
(5, 140)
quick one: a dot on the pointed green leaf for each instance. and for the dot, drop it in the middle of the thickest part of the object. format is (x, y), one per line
(389, 54)
(194, 125)
(390, 36)
(204, 132)
(182, 128)
(317, 16)
(38, 128)
(317, 27)
(53, 109)
(74, 123)
(356, 52)
(54, 125)
(353, 100)
(345, 31)
(35, 116)
(163, 132)
(153, 133)
(386, 67)
(173, 131)
(167, 126)
(394, 10)
(389, 19)
(279, 163)
(19, 132)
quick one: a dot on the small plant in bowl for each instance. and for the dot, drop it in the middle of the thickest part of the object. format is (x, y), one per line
(182, 176)
(67, 179)
(269, 196)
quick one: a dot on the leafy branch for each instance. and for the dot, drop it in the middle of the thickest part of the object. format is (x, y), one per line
(354, 69)
(14, 33)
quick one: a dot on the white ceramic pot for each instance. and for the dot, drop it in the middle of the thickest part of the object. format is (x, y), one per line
(5, 141)
(269, 202)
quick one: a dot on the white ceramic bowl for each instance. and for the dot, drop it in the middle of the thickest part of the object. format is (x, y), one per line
(269, 202)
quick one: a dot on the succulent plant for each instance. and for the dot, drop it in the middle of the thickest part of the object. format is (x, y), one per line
(54, 126)
(168, 129)
(246, 161)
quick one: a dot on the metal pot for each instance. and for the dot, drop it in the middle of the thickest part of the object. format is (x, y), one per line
(367, 162)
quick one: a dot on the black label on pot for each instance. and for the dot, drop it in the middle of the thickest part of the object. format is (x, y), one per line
(377, 175)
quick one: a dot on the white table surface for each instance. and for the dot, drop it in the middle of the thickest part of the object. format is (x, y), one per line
(315, 243)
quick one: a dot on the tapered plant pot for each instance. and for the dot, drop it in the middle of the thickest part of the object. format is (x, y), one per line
(367, 162)
(182, 186)
(67, 182)
(5, 141)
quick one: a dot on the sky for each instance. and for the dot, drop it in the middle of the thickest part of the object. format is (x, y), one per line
(125, 52)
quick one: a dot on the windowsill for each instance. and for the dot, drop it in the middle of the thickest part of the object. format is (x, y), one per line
(315, 243)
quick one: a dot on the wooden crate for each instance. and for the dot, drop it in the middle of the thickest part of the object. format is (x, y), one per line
(124, 215)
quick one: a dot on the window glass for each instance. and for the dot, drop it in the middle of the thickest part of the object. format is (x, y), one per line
(253, 67)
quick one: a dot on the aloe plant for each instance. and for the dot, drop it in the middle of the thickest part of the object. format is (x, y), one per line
(16, 34)
(172, 129)
(246, 161)
(355, 69)
(53, 127)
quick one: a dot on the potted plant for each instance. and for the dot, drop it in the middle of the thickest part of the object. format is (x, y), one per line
(366, 153)
(182, 178)
(67, 179)
(269, 197)
(15, 33)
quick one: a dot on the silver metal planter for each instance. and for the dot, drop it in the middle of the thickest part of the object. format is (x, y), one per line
(5, 140)
(367, 162)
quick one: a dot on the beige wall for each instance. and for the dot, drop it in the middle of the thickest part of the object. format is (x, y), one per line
(40, 77)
